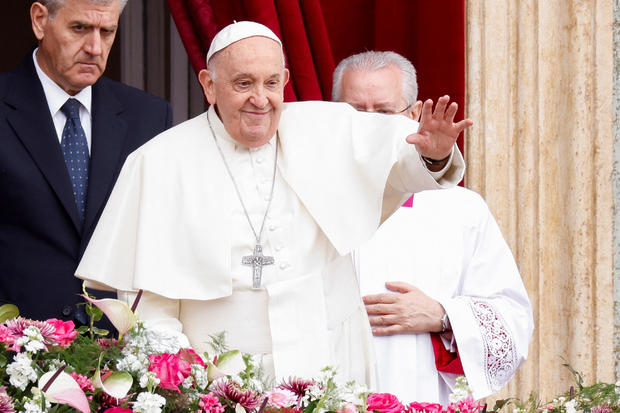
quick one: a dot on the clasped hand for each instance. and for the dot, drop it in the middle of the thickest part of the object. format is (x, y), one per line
(406, 311)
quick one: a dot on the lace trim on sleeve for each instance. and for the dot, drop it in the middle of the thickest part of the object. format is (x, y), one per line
(500, 351)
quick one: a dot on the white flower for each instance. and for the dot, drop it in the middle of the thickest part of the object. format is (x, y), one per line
(149, 379)
(354, 393)
(20, 371)
(32, 340)
(148, 403)
(201, 375)
(570, 406)
(34, 405)
(188, 382)
(461, 390)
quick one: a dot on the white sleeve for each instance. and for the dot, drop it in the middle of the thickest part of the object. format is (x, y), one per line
(491, 316)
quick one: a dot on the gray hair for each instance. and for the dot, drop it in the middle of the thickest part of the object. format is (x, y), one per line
(53, 6)
(371, 61)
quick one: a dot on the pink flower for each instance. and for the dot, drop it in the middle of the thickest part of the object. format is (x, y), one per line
(384, 403)
(169, 370)
(85, 383)
(468, 405)
(604, 408)
(6, 402)
(425, 407)
(209, 403)
(348, 408)
(17, 325)
(190, 357)
(297, 385)
(7, 337)
(117, 410)
(233, 392)
(280, 398)
(65, 331)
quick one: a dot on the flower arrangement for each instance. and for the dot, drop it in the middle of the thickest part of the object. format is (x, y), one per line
(52, 366)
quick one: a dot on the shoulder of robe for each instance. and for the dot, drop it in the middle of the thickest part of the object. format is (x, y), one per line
(187, 135)
(459, 203)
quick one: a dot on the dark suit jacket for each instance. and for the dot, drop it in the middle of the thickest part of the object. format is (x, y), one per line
(40, 244)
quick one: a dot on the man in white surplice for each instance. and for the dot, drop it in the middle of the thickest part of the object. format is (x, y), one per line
(305, 182)
(442, 290)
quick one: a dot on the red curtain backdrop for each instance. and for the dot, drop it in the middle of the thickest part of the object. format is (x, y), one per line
(317, 34)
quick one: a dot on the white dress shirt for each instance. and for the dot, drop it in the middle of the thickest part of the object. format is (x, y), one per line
(56, 97)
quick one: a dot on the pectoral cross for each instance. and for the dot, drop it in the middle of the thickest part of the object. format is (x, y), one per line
(257, 260)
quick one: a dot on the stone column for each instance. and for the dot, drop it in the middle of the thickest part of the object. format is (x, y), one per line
(539, 87)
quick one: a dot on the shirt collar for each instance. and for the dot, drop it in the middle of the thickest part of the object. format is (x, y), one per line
(56, 97)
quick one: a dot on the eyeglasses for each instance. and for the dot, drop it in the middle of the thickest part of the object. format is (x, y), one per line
(386, 111)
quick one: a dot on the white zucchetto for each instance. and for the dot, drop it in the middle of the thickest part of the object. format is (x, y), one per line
(239, 31)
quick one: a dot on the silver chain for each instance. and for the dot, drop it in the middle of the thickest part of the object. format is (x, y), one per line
(232, 178)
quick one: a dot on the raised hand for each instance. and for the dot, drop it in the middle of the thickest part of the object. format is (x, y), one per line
(438, 132)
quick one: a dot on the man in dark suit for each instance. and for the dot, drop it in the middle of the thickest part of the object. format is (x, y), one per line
(47, 213)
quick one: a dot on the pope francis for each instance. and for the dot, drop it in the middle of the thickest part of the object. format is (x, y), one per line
(242, 218)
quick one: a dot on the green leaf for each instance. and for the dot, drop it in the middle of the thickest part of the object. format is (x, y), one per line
(93, 312)
(576, 375)
(8, 312)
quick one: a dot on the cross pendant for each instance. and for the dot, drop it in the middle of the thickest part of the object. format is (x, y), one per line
(257, 260)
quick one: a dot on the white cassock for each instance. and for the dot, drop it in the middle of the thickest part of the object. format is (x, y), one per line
(449, 245)
(174, 227)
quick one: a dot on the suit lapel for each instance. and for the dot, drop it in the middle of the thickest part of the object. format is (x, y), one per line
(33, 125)
(109, 131)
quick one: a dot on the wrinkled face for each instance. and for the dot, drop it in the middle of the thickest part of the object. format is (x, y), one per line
(74, 44)
(374, 90)
(248, 89)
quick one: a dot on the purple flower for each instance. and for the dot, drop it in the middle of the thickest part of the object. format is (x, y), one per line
(234, 393)
(297, 385)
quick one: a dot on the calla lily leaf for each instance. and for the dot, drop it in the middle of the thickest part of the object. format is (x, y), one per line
(119, 313)
(117, 384)
(8, 312)
(64, 390)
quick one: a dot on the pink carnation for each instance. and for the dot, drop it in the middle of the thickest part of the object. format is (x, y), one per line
(384, 403)
(425, 407)
(85, 383)
(469, 405)
(209, 403)
(65, 332)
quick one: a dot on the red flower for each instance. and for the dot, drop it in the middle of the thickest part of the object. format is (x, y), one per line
(384, 403)
(117, 410)
(425, 407)
(65, 331)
